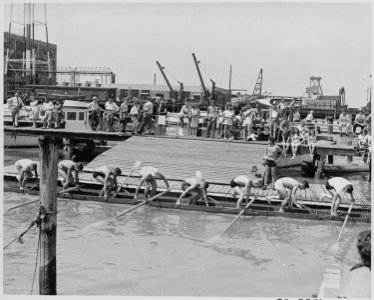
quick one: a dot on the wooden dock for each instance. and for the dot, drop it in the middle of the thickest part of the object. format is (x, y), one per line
(178, 159)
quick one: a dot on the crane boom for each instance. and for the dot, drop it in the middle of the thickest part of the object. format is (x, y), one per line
(164, 75)
(198, 72)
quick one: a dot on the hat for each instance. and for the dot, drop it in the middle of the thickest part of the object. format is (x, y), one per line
(94, 98)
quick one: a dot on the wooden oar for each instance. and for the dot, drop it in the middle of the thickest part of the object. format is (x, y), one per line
(103, 222)
(134, 167)
(217, 237)
(141, 204)
(335, 247)
(33, 201)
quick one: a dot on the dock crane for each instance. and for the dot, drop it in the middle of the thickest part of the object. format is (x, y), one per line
(172, 92)
(206, 92)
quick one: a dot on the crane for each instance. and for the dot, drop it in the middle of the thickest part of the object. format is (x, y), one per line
(206, 92)
(164, 75)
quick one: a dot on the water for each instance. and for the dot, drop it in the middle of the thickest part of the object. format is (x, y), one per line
(165, 252)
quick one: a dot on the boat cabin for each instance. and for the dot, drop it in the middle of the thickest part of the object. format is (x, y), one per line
(75, 115)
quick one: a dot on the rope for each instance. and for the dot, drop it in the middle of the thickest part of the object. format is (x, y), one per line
(19, 238)
(36, 260)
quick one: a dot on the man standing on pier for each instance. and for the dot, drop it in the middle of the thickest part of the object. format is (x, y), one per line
(65, 171)
(94, 113)
(272, 155)
(282, 185)
(25, 167)
(148, 176)
(335, 186)
(108, 177)
(147, 116)
(197, 187)
(15, 104)
(242, 185)
(211, 119)
(111, 108)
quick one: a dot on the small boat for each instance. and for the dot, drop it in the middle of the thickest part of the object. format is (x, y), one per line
(346, 168)
(217, 204)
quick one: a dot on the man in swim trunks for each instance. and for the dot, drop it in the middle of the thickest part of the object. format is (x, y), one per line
(148, 176)
(197, 187)
(108, 177)
(25, 167)
(242, 184)
(272, 155)
(282, 185)
(65, 171)
(335, 186)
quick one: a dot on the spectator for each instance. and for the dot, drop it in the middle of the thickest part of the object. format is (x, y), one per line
(284, 127)
(303, 130)
(147, 116)
(228, 117)
(363, 144)
(344, 122)
(211, 119)
(194, 117)
(57, 113)
(111, 109)
(15, 104)
(184, 113)
(134, 113)
(219, 125)
(359, 122)
(368, 121)
(162, 117)
(94, 113)
(247, 122)
(259, 119)
(274, 115)
(297, 139)
(282, 107)
(312, 140)
(286, 141)
(124, 115)
(34, 110)
(309, 118)
(296, 115)
(356, 283)
(48, 117)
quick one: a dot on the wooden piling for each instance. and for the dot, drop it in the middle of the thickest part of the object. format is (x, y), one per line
(48, 197)
(320, 165)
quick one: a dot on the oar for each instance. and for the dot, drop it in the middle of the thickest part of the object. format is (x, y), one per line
(33, 201)
(217, 237)
(335, 247)
(141, 204)
(134, 167)
(103, 222)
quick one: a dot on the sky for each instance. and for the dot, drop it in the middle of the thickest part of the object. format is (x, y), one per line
(289, 41)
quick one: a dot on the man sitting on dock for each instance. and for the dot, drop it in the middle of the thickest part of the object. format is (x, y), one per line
(282, 185)
(344, 122)
(148, 176)
(335, 186)
(196, 186)
(242, 185)
(108, 177)
(25, 167)
(65, 171)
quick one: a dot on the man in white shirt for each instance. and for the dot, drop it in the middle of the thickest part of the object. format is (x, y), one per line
(286, 188)
(211, 119)
(309, 118)
(147, 116)
(25, 167)
(148, 176)
(14, 104)
(359, 122)
(111, 108)
(48, 107)
(344, 122)
(335, 186)
(94, 113)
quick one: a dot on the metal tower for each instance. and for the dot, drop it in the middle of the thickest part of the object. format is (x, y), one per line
(32, 60)
(315, 88)
(258, 87)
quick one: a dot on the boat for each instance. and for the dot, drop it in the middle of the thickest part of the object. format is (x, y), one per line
(346, 168)
(217, 204)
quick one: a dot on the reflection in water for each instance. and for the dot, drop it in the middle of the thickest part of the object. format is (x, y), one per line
(165, 252)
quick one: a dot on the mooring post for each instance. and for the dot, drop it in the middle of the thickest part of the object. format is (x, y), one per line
(48, 198)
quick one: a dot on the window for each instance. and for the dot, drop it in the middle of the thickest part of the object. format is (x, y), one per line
(72, 115)
(81, 116)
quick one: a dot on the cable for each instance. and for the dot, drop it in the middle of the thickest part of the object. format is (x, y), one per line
(36, 260)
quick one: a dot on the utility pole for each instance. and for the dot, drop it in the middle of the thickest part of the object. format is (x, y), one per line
(48, 197)
(181, 90)
(28, 43)
(230, 83)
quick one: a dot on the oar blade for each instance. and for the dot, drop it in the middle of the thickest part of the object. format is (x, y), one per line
(214, 239)
(334, 248)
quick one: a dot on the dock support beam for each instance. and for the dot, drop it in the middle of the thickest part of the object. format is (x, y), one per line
(320, 165)
(48, 196)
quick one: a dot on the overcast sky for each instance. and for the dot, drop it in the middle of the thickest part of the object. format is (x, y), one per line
(290, 41)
